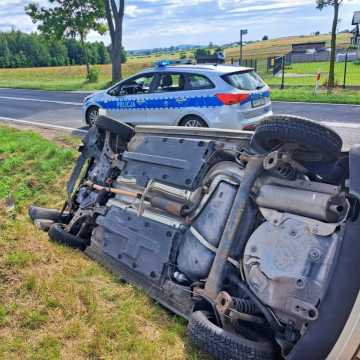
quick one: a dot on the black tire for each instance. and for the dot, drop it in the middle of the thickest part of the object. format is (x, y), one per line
(193, 121)
(58, 234)
(92, 114)
(123, 131)
(316, 142)
(224, 345)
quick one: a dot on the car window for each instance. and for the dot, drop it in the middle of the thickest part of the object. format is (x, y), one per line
(248, 80)
(198, 82)
(170, 82)
(136, 85)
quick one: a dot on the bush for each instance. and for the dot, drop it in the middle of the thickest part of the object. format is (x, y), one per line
(93, 75)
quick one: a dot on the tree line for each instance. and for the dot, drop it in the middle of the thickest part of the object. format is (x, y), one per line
(18, 49)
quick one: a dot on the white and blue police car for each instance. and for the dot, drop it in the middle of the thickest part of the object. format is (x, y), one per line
(218, 96)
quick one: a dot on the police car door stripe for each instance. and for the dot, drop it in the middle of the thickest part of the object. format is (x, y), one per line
(161, 103)
(170, 103)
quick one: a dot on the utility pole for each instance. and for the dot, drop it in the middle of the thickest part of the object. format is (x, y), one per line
(242, 32)
(345, 68)
(283, 73)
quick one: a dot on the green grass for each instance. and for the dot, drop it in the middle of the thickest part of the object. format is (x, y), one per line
(311, 69)
(55, 303)
(306, 94)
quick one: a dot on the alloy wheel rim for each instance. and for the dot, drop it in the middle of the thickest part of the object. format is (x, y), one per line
(93, 116)
(193, 123)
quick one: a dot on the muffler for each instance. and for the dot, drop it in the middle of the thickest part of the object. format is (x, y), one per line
(319, 206)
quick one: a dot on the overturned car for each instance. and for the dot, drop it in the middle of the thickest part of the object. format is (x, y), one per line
(254, 238)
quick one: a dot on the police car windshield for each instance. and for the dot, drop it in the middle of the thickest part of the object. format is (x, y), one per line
(248, 80)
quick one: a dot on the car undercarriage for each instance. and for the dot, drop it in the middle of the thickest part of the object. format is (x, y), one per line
(252, 237)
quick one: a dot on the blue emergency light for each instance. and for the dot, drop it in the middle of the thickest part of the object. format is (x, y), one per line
(163, 63)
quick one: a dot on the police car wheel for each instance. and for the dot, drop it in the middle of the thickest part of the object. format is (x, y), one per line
(92, 115)
(193, 121)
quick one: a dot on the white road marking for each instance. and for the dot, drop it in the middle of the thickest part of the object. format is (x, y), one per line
(312, 103)
(65, 128)
(40, 124)
(341, 125)
(41, 100)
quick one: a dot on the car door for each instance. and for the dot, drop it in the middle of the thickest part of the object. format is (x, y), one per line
(169, 98)
(129, 100)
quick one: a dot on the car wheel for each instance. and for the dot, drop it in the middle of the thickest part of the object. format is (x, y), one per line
(225, 345)
(193, 121)
(58, 234)
(314, 142)
(92, 114)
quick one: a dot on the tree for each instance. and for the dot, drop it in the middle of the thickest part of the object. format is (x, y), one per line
(201, 52)
(265, 37)
(115, 16)
(69, 19)
(321, 4)
(5, 57)
(19, 49)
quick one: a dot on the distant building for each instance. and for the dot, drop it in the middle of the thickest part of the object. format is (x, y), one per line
(308, 52)
(309, 47)
(217, 58)
(356, 30)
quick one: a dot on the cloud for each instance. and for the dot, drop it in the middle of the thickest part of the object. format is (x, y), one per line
(256, 5)
(134, 11)
(159, 23)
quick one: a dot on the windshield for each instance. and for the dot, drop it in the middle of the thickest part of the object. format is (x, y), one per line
(248, 80)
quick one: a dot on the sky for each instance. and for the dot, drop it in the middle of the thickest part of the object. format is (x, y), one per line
(162, 23)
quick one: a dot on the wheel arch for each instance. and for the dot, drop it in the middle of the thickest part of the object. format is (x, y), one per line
(92, 105)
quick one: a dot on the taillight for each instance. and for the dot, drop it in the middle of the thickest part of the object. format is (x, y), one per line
(249, 127)
(232, 99)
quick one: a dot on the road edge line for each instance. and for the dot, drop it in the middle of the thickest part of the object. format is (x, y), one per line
(40, 100)
(313, 103)
(43, 125)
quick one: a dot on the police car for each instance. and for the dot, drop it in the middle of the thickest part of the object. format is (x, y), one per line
(220, 96)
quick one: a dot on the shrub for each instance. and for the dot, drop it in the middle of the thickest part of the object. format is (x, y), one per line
(93, 75)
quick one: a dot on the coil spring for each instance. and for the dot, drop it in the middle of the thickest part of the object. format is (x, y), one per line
(286, 171)
(245, 306)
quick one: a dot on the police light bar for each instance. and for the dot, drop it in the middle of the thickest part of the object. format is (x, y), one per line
(163, 63)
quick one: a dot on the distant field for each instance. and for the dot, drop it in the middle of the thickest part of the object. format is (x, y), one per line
(282, 46)
(72, 77)
(62, 77)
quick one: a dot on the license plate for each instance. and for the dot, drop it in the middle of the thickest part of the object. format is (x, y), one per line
(258, 102)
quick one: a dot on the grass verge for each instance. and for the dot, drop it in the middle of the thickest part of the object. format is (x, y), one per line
(306, 94)
(54, 302)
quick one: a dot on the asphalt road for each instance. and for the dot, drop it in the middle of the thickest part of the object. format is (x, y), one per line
(63, 109)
